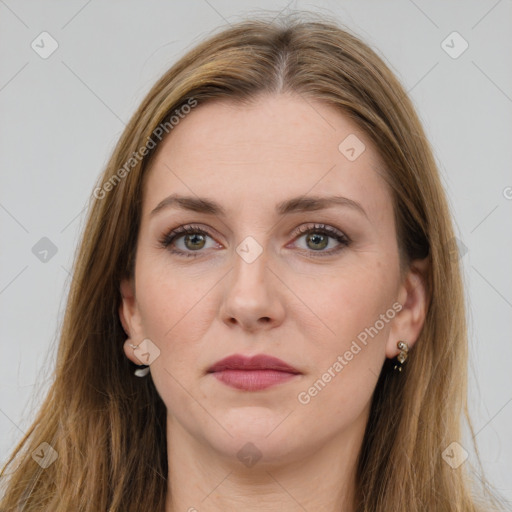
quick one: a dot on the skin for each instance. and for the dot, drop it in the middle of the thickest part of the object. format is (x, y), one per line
(289, 302)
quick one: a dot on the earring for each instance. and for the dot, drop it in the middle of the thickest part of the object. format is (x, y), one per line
(143, 369)
(404, 348)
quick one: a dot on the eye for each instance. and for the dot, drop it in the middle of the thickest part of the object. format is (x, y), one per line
(194, 239)
(318, 236)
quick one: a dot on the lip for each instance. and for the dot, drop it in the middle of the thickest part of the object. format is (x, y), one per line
(252, 373)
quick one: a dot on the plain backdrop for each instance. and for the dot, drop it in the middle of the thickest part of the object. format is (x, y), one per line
(61, 115)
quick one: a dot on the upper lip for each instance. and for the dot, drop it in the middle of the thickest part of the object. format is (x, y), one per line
(257, 362)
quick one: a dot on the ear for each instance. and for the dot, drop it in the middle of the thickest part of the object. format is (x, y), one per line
(130, 318)
(413, 296)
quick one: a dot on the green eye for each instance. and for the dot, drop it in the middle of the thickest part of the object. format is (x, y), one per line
(195, 239)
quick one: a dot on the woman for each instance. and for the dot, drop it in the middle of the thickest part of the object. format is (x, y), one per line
(271, 239)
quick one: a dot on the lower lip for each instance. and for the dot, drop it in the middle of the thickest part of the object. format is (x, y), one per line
(253, 380)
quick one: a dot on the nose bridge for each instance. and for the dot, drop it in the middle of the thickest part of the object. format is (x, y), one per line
(252, 251)
(249, 268)
(250, 299)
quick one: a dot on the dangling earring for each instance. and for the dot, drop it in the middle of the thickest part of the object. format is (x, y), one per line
(143, 369)
(404, 348)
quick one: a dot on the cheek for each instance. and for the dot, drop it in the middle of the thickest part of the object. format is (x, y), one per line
(171, 308)
(347, 360)
(166, 297)
(177, 309)
(356, 306)
(350, 299)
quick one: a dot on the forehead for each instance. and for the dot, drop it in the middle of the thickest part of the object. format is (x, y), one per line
(274, 148)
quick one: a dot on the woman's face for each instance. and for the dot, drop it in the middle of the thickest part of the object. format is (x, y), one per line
(278, 269)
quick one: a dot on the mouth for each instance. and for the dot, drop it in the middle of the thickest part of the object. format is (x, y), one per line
(252, 373)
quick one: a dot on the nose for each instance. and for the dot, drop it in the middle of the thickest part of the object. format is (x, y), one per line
(252, 298)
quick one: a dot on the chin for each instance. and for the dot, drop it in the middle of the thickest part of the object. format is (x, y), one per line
(256, 421)
(257, 433)
(263, 452)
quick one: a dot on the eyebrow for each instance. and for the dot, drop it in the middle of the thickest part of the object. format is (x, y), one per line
(293, 205)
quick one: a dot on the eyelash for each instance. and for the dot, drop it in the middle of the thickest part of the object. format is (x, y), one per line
(332, 232)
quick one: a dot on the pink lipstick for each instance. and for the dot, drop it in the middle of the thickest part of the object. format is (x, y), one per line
(252, 373)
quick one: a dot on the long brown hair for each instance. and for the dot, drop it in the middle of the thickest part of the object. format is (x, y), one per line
(108, 427)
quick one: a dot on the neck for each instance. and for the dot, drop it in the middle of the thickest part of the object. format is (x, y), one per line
(202, 480)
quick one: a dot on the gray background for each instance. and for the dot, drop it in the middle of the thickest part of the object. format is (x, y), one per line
(61, 116)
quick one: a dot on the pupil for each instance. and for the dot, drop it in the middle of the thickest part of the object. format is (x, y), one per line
(315, 239)
(194, 239)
